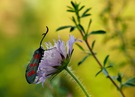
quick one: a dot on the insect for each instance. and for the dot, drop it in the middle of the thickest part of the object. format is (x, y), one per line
(34, 63)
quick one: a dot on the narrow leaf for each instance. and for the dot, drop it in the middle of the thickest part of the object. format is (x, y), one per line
(70, 10)
(106, 59)
(80, 46)
(98, 73)
(73, 4)
(73, 19)
(63, 27)
(119, 78)
(86, 15)
(83, 59)
(81, 8)
(93, 43)
(110, 65)
(130, 82)
(85, 12)
(90, 21)
(81, 28)
(98, 32)
(85, 36)
(72, 28)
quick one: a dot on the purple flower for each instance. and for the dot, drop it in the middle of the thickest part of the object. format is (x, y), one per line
(55, 59)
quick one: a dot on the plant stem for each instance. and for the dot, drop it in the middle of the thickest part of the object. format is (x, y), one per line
(78, 82)
(100, 64)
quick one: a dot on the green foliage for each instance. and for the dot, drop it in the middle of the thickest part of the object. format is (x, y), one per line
(130, 82)
(106, 59)
(119, 28)
(93, 44)
(80, 47)
(83, 59)
(97, 32)
(63, 27)
(119, 78)
(85, 13)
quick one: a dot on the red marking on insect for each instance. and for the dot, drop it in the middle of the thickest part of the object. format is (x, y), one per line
(37, 56)
(32, 65)
(31, 73)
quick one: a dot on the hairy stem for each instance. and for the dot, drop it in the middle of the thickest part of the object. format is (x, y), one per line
(78, 82)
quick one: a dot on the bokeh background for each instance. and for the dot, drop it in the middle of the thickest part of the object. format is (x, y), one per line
(21, 24)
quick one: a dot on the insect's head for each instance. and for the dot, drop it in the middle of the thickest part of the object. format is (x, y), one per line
(44, 34)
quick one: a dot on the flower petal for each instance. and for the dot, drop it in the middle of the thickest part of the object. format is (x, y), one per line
(61, 47)
(70, 44)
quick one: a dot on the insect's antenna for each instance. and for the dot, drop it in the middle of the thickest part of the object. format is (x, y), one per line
(44, 35)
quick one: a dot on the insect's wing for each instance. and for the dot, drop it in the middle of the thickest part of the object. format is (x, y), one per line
(33, 66)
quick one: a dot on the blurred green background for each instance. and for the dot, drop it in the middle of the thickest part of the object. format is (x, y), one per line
(21, 24)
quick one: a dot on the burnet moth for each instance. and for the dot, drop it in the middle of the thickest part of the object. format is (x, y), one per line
(31, 70)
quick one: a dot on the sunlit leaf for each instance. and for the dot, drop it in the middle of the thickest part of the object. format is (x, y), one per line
(73, 19)
(98, 32)
(106, 59)
(130, 82)
(109, 66)
(70, 10)
(80, 46)
(74, 5)
(83, 59)
(119, 78)
(85, 13)
(81, 28)
(93, 43)
(98, 73)
(90, 21)
(81, 8)
(63, 27)
(72, 28)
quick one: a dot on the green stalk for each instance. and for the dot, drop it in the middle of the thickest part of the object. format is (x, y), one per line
(78, 82)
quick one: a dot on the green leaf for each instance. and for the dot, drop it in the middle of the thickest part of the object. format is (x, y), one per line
(83, 59)
(98, 32)
(130, 82)
(85, 36)
(105, 72)
(63, 27)
(119, 78)
(73, 19)
(106, 59)
(98, 73)
(81, 8)
(86, 15)
(109, 66)
(90, 21)
(70, 10)
(80, 47)
(72, 28)
(85, 12)
(81, 28)
(93, 43)
(74, 5)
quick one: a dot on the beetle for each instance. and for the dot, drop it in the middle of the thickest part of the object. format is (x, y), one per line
(31, 70)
